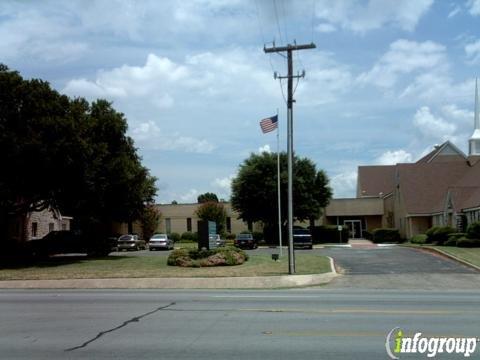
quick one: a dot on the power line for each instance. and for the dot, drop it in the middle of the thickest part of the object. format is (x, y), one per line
(269, 55)
(278, 22)
(284, 20)
(314, 8)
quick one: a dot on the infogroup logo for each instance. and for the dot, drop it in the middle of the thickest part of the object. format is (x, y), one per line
(397, 343)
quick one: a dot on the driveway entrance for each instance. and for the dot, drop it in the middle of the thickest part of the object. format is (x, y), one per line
(394, 268)
(393, 260)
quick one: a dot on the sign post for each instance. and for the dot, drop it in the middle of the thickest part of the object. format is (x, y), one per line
(340, 228)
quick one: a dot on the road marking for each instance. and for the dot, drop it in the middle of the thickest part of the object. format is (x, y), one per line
(333, 333)
(364, 311)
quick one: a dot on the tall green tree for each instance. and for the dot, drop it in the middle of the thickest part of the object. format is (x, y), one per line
(68, 154)
(213, 211)
(254, 190)
(208, 196)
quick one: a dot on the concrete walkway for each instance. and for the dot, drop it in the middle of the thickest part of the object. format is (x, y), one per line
(361, 243)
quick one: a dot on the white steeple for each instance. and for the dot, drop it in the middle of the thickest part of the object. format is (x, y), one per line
(474, 142)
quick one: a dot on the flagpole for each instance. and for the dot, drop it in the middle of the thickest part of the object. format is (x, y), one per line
(278, 188)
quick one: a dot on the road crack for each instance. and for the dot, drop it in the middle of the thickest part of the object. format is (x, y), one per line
(134, 319)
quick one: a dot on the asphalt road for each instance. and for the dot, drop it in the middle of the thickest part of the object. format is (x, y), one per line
(288, 324)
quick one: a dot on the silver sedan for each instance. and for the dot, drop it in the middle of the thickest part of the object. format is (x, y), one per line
(160, 242)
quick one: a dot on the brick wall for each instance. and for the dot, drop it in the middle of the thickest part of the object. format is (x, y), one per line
(40, 223)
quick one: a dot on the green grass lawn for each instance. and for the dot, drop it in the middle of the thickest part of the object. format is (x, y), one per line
(155, 266)
(472, 255)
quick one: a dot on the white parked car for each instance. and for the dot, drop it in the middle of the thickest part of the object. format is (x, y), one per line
(160, 242)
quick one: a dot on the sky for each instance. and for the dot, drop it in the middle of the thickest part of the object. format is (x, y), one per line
(387, 81)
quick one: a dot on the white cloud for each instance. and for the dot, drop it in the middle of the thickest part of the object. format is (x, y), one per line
(472, 51)
(455, 11)
(438, 88)
(161, 81)
(22, 38)
(433, 127)
(325, 28)
(264, 148)
(344, 183)
(361, 17)
(394, 157)
(460, 116)
(149, 136)
(224, 184)
(405, 57)
(325, 80)
(474, 7)
(189, 197)
(149, 82)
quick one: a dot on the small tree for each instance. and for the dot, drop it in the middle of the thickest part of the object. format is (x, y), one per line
(213, 211)
(208, 196)
(150, 220)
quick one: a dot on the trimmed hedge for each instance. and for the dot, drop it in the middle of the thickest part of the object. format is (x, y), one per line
(453, 238)
(174, 236)
(468, 243)
(419, 239)
(329, 234)
(385, 235)
(439, 234)
(225, 256)
(473, 230)
(188, 235)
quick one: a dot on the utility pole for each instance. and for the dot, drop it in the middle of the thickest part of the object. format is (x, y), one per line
(289, 50)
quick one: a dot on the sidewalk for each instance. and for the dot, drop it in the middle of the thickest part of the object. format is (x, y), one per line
(361, 244)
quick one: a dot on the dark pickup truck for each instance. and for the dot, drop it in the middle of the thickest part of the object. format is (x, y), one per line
(302, 239)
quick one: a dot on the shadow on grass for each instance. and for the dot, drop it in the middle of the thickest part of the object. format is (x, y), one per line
(19, 262)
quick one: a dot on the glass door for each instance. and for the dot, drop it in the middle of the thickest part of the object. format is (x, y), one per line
(354, 228)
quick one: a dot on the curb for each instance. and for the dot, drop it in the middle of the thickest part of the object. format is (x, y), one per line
(260, 282)
(444, 253)
(453, 257)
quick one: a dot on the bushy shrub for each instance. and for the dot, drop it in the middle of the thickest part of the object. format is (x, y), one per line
(367, 235)
(225, 256)
(189, 236)
(329, 234)
(419, 239)
(453, 238)
(468, 243)
(174, 236)
(176, 256)
(384, 235)
(230, 236)
(439, 234)
(473, 230)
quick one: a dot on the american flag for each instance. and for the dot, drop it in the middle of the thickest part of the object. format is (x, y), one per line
(269, 124)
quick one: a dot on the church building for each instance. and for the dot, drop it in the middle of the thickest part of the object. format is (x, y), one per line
(440, 189)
